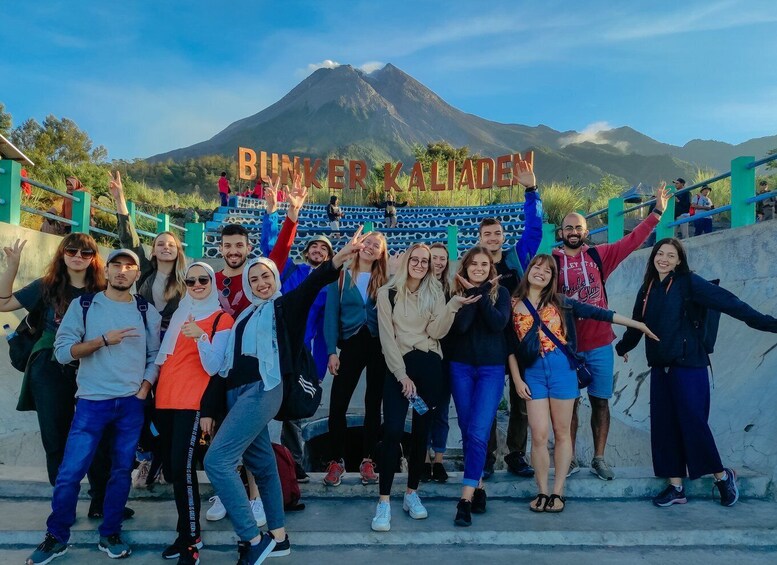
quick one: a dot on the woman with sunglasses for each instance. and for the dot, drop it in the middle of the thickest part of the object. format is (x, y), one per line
(413, 316)
(161, 277)
(192, 350)
(48, 387)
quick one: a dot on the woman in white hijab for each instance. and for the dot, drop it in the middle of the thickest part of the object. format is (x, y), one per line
(192, 350)
(262, 347)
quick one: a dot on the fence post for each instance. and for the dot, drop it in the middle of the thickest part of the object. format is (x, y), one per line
(131, 213)
(368, 227)
(194, 237)
(453, 243)
(615, 219)
(742, 188)
(548, 238)
(81, 212)
(663, 230)
(162, 223)
(10, 192)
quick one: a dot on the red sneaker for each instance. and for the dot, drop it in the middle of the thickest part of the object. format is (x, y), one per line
(367, 471)
(334, 472)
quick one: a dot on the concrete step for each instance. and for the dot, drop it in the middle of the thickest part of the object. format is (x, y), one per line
(508, 523)
(629, 482)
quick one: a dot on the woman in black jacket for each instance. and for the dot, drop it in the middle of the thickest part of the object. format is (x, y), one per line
(672, 302)
(266, 338)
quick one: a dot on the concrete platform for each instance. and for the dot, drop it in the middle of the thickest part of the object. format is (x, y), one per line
(629, 483)
(509, 523)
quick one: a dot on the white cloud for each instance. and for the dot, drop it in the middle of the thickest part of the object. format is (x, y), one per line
(593, 133)
(372, 66)
(325, 64)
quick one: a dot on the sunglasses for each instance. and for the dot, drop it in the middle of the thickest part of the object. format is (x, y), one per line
(225, 292)
(85, 253)
(202, 280)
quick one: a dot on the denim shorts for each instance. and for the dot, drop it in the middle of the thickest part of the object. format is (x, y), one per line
(551, 377)
(600, 362)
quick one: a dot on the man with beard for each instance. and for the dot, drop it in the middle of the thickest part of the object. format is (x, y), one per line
(116, 371)
(317, 251)
(583, 271)
(510, 263)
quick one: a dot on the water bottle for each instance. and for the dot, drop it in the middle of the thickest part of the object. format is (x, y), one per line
(418, 405)
(9, 333)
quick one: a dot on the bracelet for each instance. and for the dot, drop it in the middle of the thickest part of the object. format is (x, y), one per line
(105, 341)
(659, 212)
(6, 297)
(530, 188)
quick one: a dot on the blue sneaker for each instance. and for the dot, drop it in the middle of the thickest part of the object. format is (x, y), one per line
(114, 546)
(47, 551)
(670, 495)
(255, 554)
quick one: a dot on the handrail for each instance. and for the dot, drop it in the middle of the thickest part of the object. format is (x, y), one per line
(50, 189)
(47, 215)
(103, 232)
(700, 215)
(759, 197)
(146, 215)
(181, 228)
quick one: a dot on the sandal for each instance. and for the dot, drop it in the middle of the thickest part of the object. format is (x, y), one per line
(539, 503)
(550, 506)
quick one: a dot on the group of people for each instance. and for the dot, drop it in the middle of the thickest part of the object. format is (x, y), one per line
(214, 349)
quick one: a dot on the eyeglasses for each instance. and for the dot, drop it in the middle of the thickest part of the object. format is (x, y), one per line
(203, 280)
(571, 229)
(415, 261)
(85, 253)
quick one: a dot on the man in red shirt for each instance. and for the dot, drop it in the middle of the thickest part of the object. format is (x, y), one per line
(583, 271)
(224, 189)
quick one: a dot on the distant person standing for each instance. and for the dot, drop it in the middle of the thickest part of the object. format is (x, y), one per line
(333, 214)
(224, 189)
(764, 209)
(682, 208)
(701, 203)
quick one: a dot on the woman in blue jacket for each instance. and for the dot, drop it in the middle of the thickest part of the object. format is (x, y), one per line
(477, 351)
(672, 301)
(547, 379)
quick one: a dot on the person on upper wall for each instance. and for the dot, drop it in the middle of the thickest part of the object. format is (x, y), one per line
(673, 301)
(224, 189)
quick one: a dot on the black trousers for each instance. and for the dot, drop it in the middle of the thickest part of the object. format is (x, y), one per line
(425, 370)
(517, 426)
(357, 352)
(179, 433)
(53, 388)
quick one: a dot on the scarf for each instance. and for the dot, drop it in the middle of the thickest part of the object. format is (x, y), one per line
(260, 336)
(200, 309)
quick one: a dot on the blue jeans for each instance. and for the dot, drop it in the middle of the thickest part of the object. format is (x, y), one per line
(122, 418)
(224, 198)
(477, 392)
(600, 362)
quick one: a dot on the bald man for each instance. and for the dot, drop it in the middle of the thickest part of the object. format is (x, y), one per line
(583, 270)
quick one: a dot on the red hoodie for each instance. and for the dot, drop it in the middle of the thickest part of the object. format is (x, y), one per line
(582, 280)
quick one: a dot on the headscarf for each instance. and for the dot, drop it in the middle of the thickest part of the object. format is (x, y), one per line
(260, 337)
(189, 306)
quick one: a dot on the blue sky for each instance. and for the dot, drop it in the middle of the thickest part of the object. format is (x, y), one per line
(144, 77)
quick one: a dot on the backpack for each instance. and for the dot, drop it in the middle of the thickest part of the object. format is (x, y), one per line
(593, 253)
(142, 304)
(23, 339)
(288, 476)
(301, 388)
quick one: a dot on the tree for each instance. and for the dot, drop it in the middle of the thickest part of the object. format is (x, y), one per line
(6, 121)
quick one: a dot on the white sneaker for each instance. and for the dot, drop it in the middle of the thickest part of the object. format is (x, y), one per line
(382, 520)
(258, 509)
(412, 504)
(217, 511)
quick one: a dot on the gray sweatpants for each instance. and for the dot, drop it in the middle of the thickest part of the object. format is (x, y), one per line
(244, 437)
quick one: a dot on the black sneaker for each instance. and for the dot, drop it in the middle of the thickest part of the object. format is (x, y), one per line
(426, 473)
(488, 469)
(114, 546)
(255, 554)
(302, 476)
(479, 501)
(729, 493)
(189, 556)
(439, 475)
(517, 465)
(670, 495)
(463, 513)
(174, 551)
(281, 549)
(96, 510)
(47, 551)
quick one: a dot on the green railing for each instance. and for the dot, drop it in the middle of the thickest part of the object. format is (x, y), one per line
(11, 207)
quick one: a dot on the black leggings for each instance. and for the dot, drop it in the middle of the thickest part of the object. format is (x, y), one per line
(179, 432)
(425, 370)
(357, 352)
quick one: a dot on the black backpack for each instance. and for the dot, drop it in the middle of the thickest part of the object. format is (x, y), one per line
(142, 304)
(27, 334)
(301, 389)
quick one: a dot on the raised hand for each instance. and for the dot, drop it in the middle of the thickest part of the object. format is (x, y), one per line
(115, 187)
(191, 329)
(662, 196)
(271, 197)
(296, 197)
(350, 249)
(524, 172)
(464, 282)
(394, 261)
(13, 254)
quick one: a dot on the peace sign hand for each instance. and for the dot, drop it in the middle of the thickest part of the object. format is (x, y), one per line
(14, 254)
(350, 249)
(662, 197)
(524, 170)
(296, 198)
(116, 188)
